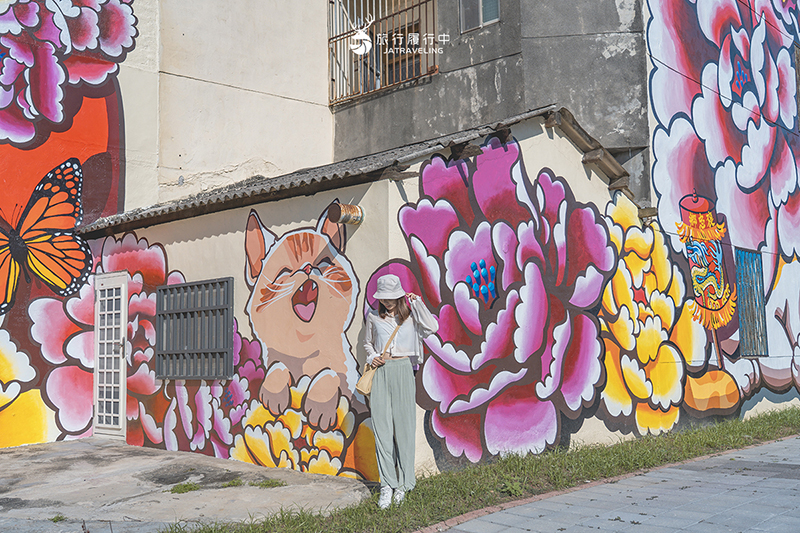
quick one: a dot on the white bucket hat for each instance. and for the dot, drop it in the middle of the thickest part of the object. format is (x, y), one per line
(389, 288)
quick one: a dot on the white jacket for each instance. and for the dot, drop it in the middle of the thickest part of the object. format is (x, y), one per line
(407, 341)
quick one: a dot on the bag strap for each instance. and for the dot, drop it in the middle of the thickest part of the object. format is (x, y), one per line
(390, 339)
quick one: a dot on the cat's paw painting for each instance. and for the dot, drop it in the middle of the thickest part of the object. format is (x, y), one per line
(322, 400)
(275, 393)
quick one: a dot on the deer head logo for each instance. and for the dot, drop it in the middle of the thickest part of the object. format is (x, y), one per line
(361, 43)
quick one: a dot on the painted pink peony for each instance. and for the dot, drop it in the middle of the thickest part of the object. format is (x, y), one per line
(50, 48)
(65, 330)
(723, 91)
(205, 418)
(511, 268)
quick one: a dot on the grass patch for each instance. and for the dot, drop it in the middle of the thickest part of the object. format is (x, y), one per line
(180, 488)
(268, 483)
(58, 518)
(234, 483)
(450, 494)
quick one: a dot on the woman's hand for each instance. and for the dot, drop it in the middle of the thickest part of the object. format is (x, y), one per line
(411, 296)
(378, 361)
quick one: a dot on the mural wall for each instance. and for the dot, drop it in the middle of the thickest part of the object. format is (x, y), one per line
(61, 163)
(557, 304)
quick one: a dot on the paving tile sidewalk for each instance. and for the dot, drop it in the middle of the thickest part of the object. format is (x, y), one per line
(752, 490)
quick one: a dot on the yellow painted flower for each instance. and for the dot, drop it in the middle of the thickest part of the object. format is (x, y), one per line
(645, 361)
(24, 417)
(287, 441)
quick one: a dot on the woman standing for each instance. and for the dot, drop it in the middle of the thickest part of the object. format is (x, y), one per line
(393, 344)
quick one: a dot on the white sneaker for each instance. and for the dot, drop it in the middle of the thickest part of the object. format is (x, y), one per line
(399, 496)
(386, 497)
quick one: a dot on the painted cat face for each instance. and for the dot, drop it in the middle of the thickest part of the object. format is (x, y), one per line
(302, 285)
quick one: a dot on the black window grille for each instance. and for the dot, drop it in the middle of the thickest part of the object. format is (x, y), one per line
(752, 308)
(194, 330)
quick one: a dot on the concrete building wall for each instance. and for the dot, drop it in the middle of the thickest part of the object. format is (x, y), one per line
(222, 92)
(588, 56)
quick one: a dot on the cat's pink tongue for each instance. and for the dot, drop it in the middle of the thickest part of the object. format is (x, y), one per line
(305, 312)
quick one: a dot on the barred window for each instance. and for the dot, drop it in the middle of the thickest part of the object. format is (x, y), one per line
(375, 44)
(194, 330)
(752, 308)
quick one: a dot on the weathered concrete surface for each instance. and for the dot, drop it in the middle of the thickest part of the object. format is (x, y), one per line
(125, 489)
(754, 490)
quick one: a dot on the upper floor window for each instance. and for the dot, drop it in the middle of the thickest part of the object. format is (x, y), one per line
(478, 13)
(375, 44)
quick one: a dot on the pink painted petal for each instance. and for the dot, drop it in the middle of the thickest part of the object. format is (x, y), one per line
(746, 214)
(553, 365)
(516, 422)
(581, 368)
(221, 425)
(117, 28)
(529, 247)
(81, 306)
(589, 244)
(89, 68)
(81, 347)
(499, 342)
(715, 124)
(83, 29)
(143, 381)
(783, 171)
(430, 272)
(431, 223)
(679, 169)
(448, 181)
(44, 84)
(787, 91)
(716, 17)
(587, 288)
(451, 329)
(151, 429)
(14, 127)
(532, 311)
(463, 250)
(504, 242)
(468, 308)
(443, 385)
(787, 224)
(461, 434)
(69, 389)
(170, 423)
(135, 256)
(184, 410)
(448, 354)
(483, 394)
(495, 190)
(51, 328)
(550, 195)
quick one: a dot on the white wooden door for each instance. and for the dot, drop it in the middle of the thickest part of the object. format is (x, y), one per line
(110, 368)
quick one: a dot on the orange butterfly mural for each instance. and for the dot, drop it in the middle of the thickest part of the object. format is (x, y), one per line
(43, 240)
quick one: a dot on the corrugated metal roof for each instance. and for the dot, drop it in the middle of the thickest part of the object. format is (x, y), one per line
(336, 175)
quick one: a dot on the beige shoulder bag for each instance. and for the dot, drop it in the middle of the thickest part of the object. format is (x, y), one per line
(364, 385)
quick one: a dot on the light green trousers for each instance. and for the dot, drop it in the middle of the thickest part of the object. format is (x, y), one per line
(392, 405)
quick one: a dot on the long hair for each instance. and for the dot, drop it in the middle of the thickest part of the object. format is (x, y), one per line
(402, 309)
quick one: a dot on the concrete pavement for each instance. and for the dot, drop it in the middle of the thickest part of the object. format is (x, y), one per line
(113, 487)
(752, 490)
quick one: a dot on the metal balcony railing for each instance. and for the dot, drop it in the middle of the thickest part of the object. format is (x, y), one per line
(375, 44)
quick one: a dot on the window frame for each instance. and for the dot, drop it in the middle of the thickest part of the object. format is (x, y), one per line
(483, 23)
(751, 303)
(205, 354)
